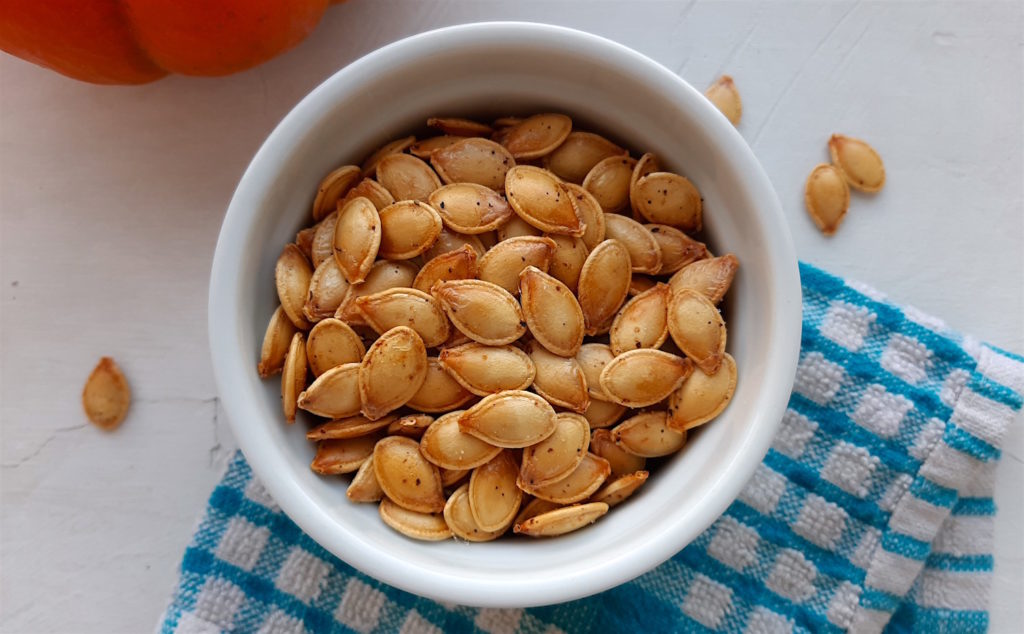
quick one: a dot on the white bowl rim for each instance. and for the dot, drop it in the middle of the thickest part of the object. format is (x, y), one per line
(266, 460)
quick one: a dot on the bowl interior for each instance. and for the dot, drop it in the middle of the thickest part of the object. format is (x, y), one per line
(489, 70)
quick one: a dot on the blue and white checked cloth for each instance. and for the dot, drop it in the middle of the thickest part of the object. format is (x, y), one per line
(872, 511)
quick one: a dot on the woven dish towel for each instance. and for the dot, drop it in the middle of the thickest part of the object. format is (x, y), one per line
(872, 511)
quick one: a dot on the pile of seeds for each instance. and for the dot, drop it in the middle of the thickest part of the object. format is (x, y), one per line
(503, 323)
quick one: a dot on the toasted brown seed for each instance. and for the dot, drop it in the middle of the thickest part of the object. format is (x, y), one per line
(590, 213)
(364, 486)
(351, 427)
(603, 413)
(640, 283)
(459, 126)
(483, 311)
(322, 246)
(327, 288)
(578, 154)
(540, 198)
(533, 508)
(406, 477)
(586, 478)
(293, 376)
(603, 285)
(106, 396)
(616, 491)
(448, 447)
(334, 394)
(439, 392)
(668, 199)
(334, 457)
(621, 461)
(398, 145)
(645, 165)
(429, 527)
(609, 180)
(372, 191)
(424, 148)
(408, 228)
(559, 454)
(392, 371)
(677, 248)
(405, 307)
(304, 240)
(448, 241)
(460, 264)
(726, 98)
(332, 188)
(551, 311)
(642, 322)
(859, 162)
(702, 397)
(494, 497)
(332, 342)
(475, 160)
(567, 262)
(592, 358)
(516, 227)
(506, 122)
(357, 238)
(292, 275)
(382, 276)
(412, 426)
(639, 378)
(459, 517)
(827, 197)
(711, 277)
(559, 378)
(486, 370)
(275, 343)
(407, 177)
(503, 263)
(513, 418)
(563, 520)
(697, 328)
(471, 208)
(648, 435)
(537, 135)
(644, 250)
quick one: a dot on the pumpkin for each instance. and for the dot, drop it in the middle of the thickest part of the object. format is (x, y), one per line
(138, 41)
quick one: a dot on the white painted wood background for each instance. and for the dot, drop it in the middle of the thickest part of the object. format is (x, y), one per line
(112, 198)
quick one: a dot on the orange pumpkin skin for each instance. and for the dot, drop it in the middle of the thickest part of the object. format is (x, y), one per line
(138, 41)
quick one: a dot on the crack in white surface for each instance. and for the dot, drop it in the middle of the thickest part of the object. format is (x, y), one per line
(38, 450)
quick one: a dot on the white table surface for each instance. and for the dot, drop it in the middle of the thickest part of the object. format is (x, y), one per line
(112, 197)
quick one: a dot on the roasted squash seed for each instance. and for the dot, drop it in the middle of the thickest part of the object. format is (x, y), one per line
(503, 263)
(332, 188)
(533, 508)
(563, 520)
(293, 376)
(642, 322)
(711, 277)
(559, 454)
(697, 328)
(559, 379)
(429, 527)
(513, 418)
(487, 370)
(439, 392)
(448, 447)
(677, 248)
(540, 198)
(330, 343)
(580, 484)
(592, 358)
(364, 486)
(827, 197)
(351, 427)
(590, 213)
(859, 163)
(334, 457)
(668, 199)
(327, 288)
(408, 228)
(392, 371)
(276, 340)
(106, 396)
(603, 285)
(292, 275)
(357, 237)
(459, 517)
(644, 250)
(459, 127)
(726, 98)
(423, 149)
(411, 426)
(405, 307)
(322, 246)
(382, 276)
(578, 154)
(517, 227)
(567, 261)
(608, 182)
(406, 477)
(369, 166)
(494, 498)
(639, 378)
(702, 397)
(448, 241)
(460, 264)
(648, 435)
(603, 413)
(407, 177)
(621, 461)
(334, 394)
(474, 161)
(551, 312)
(537, 135)
(470, 208)
(483, 311)
(372, 191)
(616, 491)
